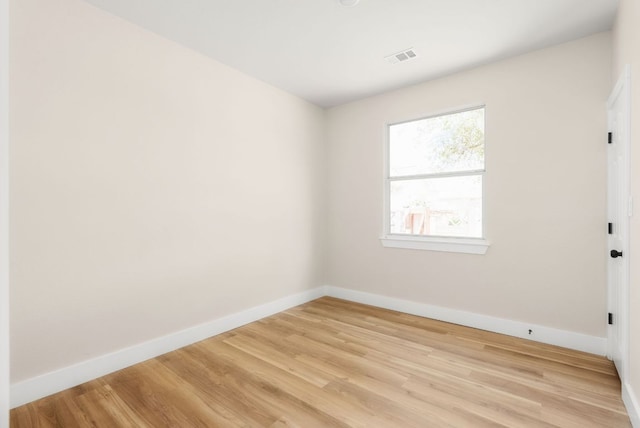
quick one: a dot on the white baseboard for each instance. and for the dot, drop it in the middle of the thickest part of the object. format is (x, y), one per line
(552, 336)
(632, 404)
(67, 377)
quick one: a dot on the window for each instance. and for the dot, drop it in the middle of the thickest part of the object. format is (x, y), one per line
(434, 183)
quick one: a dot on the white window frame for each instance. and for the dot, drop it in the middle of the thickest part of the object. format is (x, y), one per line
(431, 243)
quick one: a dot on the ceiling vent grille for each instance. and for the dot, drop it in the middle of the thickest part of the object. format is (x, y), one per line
(401, 56)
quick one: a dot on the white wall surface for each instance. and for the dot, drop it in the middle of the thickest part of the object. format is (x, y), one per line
(152, 189)
(545, 184)
(626, 34)
(4, 213)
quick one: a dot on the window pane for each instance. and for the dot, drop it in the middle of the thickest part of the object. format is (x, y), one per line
(449, 143)
(449, 206)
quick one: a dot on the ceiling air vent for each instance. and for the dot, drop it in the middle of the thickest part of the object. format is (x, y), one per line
(401, 56)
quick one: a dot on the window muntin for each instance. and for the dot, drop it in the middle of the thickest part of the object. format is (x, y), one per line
(435, 181)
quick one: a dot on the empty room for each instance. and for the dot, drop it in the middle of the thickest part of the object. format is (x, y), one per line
(319, 213)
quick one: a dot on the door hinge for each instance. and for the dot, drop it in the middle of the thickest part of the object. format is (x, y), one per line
(610, 138)
(610, 319)
(610, 228)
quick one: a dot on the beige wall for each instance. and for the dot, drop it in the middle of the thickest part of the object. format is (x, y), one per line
(4, 217)
(626, 34)
(545, 191)
(152, 189)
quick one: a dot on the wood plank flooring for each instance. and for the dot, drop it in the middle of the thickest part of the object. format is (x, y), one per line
(331, 363)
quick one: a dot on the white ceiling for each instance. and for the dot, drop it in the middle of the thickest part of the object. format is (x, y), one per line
(330, 54)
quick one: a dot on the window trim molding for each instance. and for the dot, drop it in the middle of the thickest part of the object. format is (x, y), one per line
(431, 243)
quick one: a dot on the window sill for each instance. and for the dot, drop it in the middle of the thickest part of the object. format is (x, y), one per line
(449, 245)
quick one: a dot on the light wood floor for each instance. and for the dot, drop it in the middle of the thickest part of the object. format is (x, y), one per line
(332, 363)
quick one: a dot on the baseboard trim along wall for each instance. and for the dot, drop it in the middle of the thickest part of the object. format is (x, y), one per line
(49, 383)
(552, 336)
(632, 404)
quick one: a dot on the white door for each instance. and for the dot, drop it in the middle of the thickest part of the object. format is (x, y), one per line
(619, 210)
